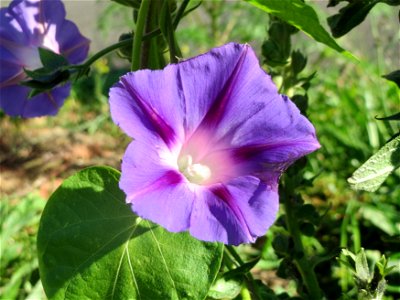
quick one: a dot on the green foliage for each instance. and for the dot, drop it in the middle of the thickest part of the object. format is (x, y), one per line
(91, 245)
(375, 170)
(342, 102)
(371, 284)
(301, 16)
(352, 15)
(52, 74)
(19, 265)
(225, 287)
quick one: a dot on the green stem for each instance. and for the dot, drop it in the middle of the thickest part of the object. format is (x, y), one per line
(235, 255)
(127, 42)
(180, 12)
(250, 282)
(348, 216)
(137, 39)
(103, 52)
(303, 265)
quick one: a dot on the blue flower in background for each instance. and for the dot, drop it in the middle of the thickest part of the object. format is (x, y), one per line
(26, 26)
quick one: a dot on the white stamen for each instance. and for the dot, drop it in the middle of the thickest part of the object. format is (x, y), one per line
(195, 173)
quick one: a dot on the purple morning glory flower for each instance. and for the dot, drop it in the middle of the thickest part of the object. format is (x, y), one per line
(211, 138)
(25, 26)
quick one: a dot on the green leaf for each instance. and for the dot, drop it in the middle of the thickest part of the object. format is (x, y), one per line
(51, 60)
(350, 16)
(91, 246)
(362, 269)
(225, 288)
(383, 215)
(302, 16)
(393, 76)
(377, 168)
(241, 271)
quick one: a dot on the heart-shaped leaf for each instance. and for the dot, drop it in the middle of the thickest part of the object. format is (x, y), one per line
(92, 246)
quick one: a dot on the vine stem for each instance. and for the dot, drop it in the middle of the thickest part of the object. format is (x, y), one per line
(303, 265)
(137, 39)
(250, 282)
(129, 41)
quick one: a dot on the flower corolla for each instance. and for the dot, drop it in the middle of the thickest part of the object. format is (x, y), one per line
(212, 136)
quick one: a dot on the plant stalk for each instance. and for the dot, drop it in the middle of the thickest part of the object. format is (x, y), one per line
(137, 39)
(250, 282)
(303, 265)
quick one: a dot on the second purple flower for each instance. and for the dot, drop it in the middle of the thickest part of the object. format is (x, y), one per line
(25, 26)
(212, 137)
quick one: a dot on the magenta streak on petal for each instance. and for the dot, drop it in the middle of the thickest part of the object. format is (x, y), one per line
(248, 152)
(8, 43)
(161, 127)
(168, 179)
(217, 110)
(13, 80)
(68, 51)
(223, 193)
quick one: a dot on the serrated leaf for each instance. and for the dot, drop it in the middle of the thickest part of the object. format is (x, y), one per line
(377, 168)
(302, 16)
(91, 246)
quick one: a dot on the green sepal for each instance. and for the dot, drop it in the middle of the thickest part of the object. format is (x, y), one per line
(51, 60)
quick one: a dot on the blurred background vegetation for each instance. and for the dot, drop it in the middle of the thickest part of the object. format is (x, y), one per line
(344, 99)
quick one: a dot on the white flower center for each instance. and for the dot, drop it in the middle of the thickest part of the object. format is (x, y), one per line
(195, 173)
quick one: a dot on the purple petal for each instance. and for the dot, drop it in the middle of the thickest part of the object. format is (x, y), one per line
(9, 71)
(217, 121)
(205, 82)
(73, 45)
(153, 187)
(253, 122)
(147, 102)
(14, 101)
(10, 29)
(234, 213)
(35, 17)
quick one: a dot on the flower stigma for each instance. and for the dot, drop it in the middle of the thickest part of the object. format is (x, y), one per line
(195, 173)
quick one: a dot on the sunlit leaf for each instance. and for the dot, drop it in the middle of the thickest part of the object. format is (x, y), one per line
(225, 288)
(302, 16)
(91, 246)
(377, 168)
(362, 269)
